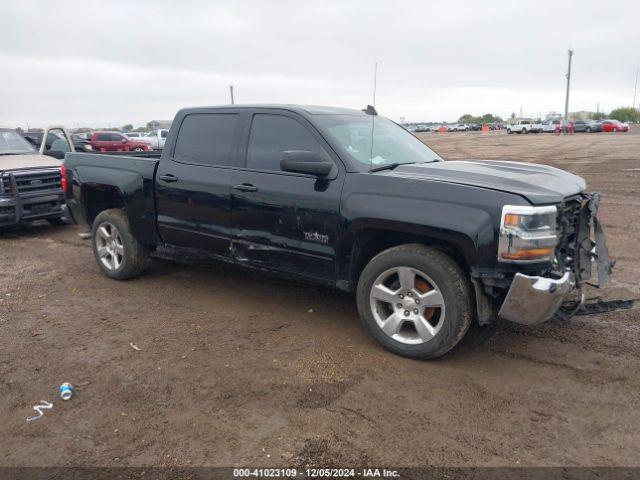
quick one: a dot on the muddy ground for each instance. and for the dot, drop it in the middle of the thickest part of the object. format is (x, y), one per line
(238, 369)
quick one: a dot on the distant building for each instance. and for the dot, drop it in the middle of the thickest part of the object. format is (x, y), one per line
(156, 124)
(582, 115)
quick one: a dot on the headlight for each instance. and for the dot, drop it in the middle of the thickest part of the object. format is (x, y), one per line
(527, 234)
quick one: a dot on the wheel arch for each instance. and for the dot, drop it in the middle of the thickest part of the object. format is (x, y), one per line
(98, 198)
(368, 241)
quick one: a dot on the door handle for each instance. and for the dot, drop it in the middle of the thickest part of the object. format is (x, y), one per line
(246, 187)
(169, 178)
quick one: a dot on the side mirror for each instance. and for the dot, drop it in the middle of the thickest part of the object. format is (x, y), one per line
(303, 161)
(55, 154)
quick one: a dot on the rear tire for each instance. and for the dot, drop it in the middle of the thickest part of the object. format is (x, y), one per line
(415, 301)
(118, 254)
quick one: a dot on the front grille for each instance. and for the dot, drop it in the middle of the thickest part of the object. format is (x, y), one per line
(6, 184)
(37, 181)
(574, 242)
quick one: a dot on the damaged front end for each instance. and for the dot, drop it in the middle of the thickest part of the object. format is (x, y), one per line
(581, 242)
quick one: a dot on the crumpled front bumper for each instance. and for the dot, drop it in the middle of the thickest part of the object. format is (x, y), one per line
(533, 300)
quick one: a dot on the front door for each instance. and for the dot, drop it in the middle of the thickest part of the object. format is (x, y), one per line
(285, 221)
(193, 180)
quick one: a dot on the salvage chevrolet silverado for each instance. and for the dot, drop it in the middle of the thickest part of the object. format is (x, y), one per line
(351, 200)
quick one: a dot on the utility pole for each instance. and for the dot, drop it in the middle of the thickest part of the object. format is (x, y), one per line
(566, 101)
(635, 89)
(231, 92)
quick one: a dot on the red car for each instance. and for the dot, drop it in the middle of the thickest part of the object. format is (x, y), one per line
(117, 142)
(614, 126)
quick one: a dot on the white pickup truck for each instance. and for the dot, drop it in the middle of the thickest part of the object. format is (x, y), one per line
(524, 126)
(156, 138)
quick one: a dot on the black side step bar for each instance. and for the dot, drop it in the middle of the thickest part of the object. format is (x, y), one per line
(608, 306)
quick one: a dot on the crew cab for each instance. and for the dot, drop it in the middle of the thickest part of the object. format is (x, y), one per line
(31, 184)
(117, 142)
(351, 200)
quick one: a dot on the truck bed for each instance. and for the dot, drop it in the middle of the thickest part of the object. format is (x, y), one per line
(120, 181)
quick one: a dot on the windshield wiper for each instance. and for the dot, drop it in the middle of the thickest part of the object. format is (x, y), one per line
(389, 166)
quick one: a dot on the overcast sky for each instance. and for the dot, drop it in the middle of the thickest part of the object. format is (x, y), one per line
(101, 63)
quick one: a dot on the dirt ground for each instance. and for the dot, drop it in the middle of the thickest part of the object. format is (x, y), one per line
(238, 369)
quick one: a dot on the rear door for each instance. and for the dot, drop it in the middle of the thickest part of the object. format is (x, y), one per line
(285, 221)
(193, 181)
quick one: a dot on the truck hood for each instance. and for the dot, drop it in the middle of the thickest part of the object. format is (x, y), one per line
(16, 162)
(539, 184)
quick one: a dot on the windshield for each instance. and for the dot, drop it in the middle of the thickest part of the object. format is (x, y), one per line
(12, 143)
(370, 141)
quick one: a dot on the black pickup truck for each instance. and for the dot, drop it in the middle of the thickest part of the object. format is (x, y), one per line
(350, 199)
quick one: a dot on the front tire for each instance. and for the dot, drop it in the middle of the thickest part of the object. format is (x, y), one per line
(117, 252)
(415, 301)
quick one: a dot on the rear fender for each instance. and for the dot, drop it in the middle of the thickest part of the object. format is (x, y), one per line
(120, 189)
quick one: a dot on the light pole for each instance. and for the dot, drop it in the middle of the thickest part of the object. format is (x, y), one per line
(566, 101)
(635, 89)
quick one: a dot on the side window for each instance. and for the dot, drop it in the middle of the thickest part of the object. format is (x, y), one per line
(164, 133)
(116, 138)
(207, 138)
(104, 137)
(273, 134)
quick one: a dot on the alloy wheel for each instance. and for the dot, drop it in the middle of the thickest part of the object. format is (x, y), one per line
(109, 246)
(407, 305)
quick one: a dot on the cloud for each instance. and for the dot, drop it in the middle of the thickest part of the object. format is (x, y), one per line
(104, 62)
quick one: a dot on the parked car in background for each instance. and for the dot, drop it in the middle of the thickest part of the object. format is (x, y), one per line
(133, 134)
(476, 127)
(524, 126)
(31, 184)
(53, 134)
(611, 125)
(550, 126)
(81, 144)
(117, 142)
(587, 126)
(156, 138)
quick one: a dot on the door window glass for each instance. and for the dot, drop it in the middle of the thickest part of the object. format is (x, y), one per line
(207, 138)
(273, 134)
